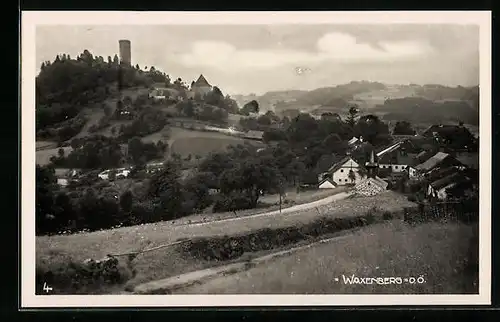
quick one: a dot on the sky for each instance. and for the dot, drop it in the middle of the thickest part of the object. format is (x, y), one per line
(260, 58)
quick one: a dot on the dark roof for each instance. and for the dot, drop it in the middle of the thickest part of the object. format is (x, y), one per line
(433, 161)
(470, 159)
(339, 164)
(453, 178)
(440, 129)
(202, 81)
(450, 132)
(397, 157)
(325, 180)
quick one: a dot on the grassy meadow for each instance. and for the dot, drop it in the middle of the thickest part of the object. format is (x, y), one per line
(445, 254)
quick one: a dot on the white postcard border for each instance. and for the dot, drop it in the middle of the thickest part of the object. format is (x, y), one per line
(31, 19)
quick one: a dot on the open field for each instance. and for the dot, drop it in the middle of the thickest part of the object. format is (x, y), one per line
(43, 156)
(185, 142)
(125, 239)
(202, 146)
(437, 251)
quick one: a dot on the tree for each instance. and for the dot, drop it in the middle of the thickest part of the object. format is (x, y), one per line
(126, 201)
(45, 182)
(352, 176)
(107, 111)
(112, 175)
(135, 150)
(353, 112)
(166, 191)
(196, 193)
(403, 128)
(372, 129)
(251, 177)
(250, 107)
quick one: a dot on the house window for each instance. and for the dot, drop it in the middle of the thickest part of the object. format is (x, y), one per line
(341, 170)
(396, 167)
(369, 183)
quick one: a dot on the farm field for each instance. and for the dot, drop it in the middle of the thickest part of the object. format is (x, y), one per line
(202, 146)
(438, 251)
(186, 142)
(125, 239)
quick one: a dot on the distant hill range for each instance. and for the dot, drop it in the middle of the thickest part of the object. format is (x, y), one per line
(375, 97)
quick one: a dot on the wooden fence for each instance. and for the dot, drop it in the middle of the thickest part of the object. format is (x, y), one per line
(465, 211)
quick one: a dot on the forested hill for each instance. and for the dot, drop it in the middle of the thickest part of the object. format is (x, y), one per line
(66, 85)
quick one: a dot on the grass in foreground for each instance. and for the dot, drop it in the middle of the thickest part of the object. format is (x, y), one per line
(444, 253)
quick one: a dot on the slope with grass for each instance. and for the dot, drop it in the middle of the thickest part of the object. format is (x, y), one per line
(195, 143)
(125, 239)
(440, 252)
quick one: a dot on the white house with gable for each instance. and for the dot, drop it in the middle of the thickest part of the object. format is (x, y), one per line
(342, 173)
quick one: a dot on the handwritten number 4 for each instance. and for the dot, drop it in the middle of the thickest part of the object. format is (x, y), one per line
(46, 288)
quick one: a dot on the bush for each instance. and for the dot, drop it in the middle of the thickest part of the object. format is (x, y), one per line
(66, 276)
(387, 215)
(232, 203)
(412, 198)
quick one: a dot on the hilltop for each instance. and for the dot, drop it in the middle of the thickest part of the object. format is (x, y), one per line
(447, 104)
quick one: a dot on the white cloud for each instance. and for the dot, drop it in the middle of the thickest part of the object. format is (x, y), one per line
(332, 47)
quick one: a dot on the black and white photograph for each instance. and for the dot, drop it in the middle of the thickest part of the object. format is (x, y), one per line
(271, 158)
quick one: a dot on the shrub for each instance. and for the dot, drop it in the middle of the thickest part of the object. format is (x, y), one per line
(232, 203)
(66, 276)
(387, 215)
(412, 198)
(371, 215)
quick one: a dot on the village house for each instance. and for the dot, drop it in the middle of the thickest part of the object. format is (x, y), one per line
(372, 184)
(65, 175)
(119, 173)
(439, 159)
(399, 157)
(254, 135)
(160, 92)
(355, 141)
(454, 136)
(200, 87)
(437, 189)
(346, 171)
(153, 167)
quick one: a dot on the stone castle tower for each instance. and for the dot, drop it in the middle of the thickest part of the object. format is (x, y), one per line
(125, 51)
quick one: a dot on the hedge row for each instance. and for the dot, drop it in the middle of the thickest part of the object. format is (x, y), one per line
(231, 247)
